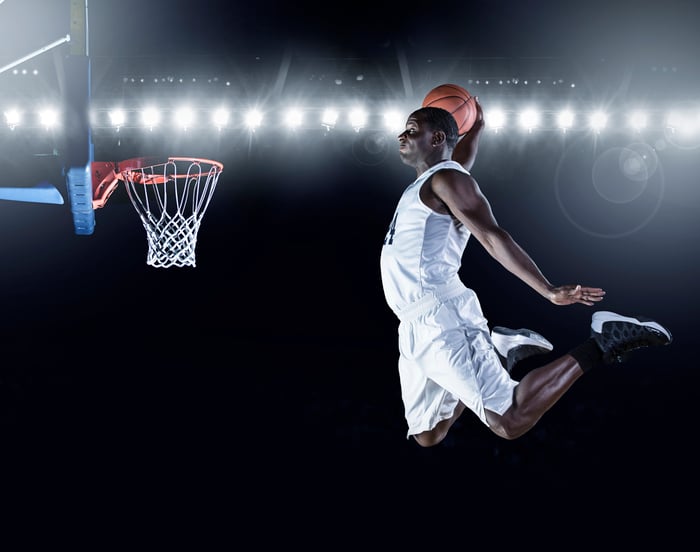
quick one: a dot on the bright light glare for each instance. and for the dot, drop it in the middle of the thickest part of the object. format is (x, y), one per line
(48, 117)
(184, 117)
(358, 118)
(150, 117)
(13, 117)
(683, 123)
(220, 117)
(565, 119)
(529, 119)
(638, 120)
(495, 118)
(598, 120)
(253, 119)
(117, 117)
(329, 117)
(394, 121)
(293, 117)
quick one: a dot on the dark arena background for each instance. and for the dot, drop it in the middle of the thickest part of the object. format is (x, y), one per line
(266, 375)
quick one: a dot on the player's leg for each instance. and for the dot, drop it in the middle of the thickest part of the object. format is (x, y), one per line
(612, 337)
(435, 435)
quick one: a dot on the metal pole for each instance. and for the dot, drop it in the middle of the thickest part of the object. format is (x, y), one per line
(35, 53)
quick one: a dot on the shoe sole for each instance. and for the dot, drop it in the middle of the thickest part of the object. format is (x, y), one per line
(519, 338)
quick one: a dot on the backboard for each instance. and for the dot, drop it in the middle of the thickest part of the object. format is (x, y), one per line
(26, 38)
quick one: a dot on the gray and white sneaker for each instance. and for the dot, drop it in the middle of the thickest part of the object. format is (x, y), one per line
(617, 335)
(515, 345)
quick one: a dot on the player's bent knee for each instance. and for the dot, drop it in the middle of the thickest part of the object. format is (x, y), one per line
(430, 438)
(505, 434)
(504, 427)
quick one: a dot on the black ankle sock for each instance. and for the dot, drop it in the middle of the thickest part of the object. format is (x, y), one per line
(588, 354)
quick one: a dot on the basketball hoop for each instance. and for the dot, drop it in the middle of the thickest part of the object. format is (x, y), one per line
(171, 199)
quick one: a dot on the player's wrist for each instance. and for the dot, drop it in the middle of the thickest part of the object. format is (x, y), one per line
(549, 293)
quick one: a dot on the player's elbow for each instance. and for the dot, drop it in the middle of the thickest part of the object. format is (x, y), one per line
(494, 240)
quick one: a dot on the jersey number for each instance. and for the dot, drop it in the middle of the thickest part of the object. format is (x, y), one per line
(389, 239)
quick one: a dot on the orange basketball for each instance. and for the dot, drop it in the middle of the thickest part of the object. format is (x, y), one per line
(455, 99)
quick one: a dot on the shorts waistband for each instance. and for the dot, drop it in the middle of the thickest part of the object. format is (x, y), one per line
(432, 299)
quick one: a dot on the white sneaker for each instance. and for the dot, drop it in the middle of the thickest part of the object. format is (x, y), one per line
(617, 335)
(514, 345)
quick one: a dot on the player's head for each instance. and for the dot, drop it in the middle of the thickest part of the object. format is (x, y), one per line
(437, 118)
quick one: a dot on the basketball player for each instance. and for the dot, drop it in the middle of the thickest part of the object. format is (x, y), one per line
(448, 362)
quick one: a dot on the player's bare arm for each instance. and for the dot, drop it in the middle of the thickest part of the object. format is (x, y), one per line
(466, 149)
(461, 196)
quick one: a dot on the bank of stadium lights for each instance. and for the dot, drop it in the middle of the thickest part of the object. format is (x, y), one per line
(33, 72)
(47, 117)
(499, 118)
(531, 119)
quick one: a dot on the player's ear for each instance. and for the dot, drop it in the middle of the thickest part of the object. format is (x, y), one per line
(438, 138)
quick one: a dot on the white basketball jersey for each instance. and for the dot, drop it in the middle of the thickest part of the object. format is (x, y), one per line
(422, 250)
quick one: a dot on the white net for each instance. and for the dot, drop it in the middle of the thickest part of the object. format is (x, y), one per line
(171, 199)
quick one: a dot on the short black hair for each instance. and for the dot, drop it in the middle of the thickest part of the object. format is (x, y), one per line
(440, 119)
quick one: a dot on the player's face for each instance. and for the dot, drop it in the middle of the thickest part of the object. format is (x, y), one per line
(414, 141)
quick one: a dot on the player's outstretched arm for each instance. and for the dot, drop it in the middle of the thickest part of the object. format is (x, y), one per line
(464, 199)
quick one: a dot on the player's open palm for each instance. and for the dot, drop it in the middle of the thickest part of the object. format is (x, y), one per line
(570, 294)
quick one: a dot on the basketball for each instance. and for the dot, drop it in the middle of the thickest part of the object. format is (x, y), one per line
(455, 99)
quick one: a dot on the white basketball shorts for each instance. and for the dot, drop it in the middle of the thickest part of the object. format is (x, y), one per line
(445, 356)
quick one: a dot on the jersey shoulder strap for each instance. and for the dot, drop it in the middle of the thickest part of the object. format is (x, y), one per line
(448, 164)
